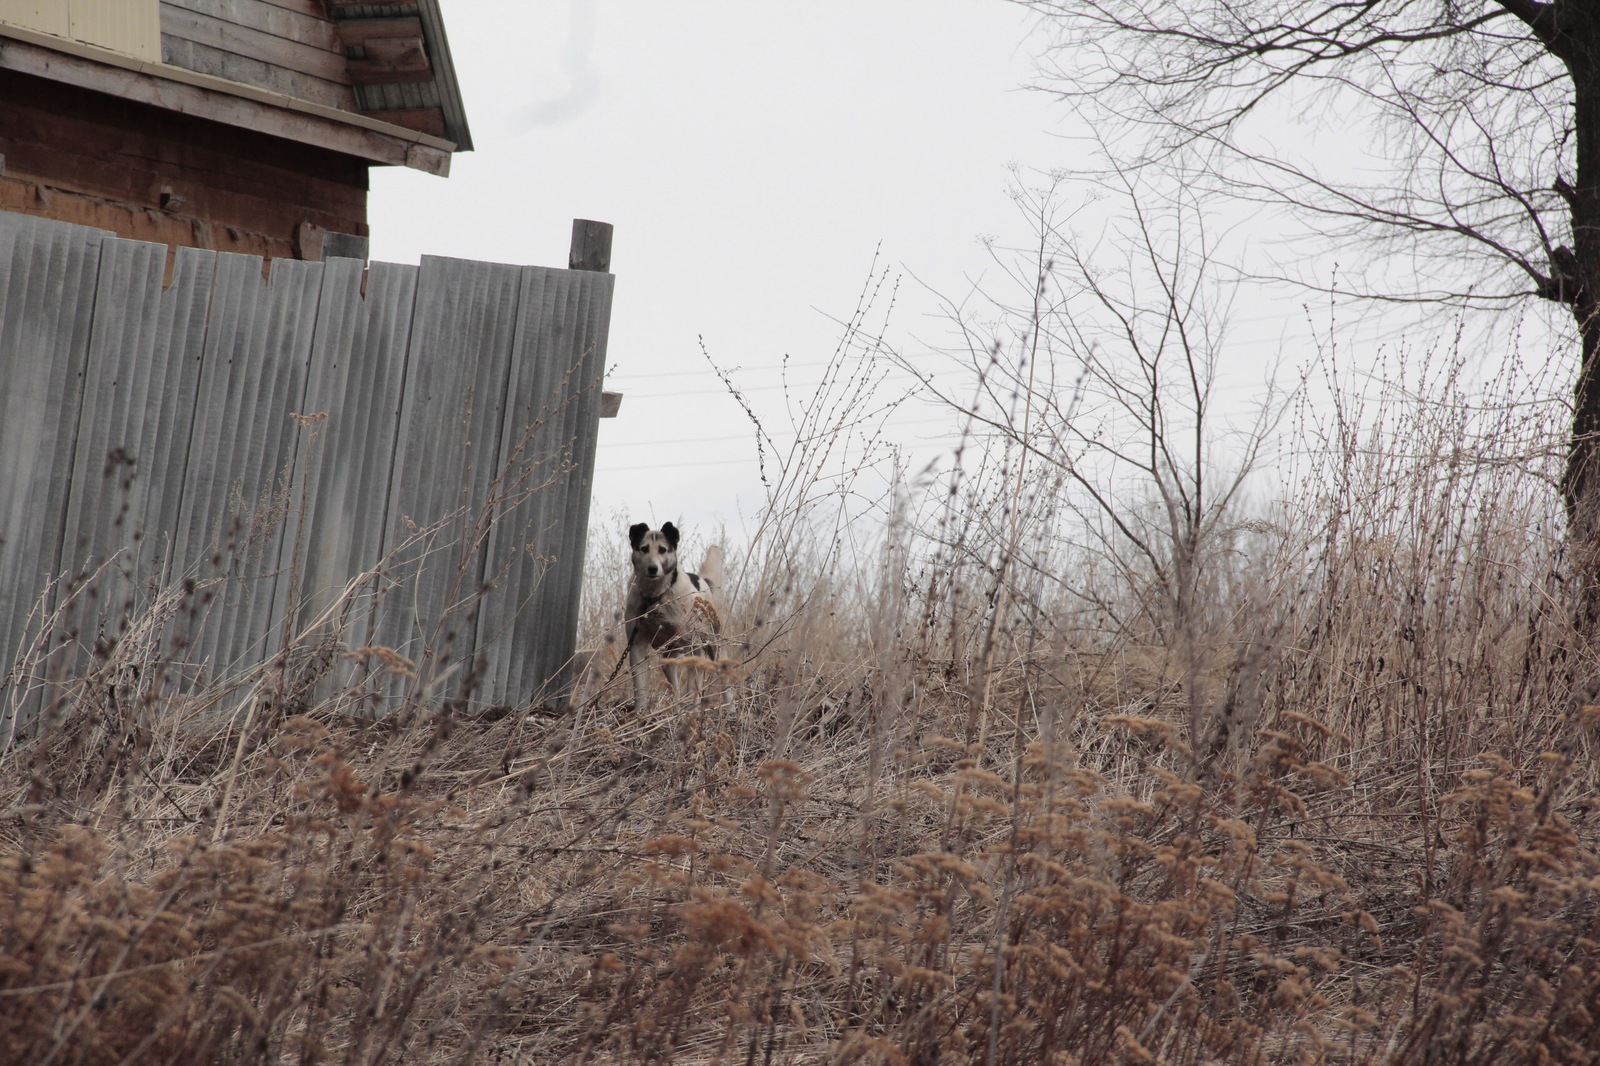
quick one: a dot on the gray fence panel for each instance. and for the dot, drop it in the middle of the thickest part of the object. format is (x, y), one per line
(151, 425)
(567, 341)
(122, 339)
(357, 371)
(44, 339)
(549, 440)
(138, 408)
(181, 336)
(450, 417)
(519, 542)
(101, 521)
(236, 498)
(586, 353)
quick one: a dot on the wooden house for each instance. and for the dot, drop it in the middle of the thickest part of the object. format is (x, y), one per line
(234, 125)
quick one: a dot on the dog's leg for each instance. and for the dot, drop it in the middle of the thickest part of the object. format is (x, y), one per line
(724, 677)
(690, 680)
(671, 669)
(638, 655)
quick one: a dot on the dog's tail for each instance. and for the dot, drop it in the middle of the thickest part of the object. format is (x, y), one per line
(711, 568)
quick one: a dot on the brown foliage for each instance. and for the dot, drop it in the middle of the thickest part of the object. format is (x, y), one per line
(1393, 859)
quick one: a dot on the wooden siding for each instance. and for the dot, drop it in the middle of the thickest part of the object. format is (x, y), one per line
(78, 156)
(375, 59)
(309, 48)
(153, 427)
(294, 52)
(304, 65)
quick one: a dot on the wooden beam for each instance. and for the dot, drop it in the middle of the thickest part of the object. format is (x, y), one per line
(591, 246)
(343, 8)
(423, 119)
(422, 157)
(355, 32)
(389, 60)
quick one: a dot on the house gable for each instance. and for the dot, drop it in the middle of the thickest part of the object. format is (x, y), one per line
(251, 131)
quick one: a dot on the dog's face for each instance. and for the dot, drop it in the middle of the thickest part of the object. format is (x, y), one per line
(655, 552)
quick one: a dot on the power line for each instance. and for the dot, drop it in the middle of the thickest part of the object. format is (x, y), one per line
(627, 377)
(672, 443)
(630, 468)
(795, 385)
(704, 392)
(952, 419)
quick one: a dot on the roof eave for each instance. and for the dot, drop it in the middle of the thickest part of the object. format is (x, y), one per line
(206, 96)
(455, 112)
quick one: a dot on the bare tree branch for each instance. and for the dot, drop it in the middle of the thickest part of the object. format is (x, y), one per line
(1485, 115)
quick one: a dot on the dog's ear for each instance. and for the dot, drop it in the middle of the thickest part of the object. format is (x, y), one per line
(670, 531)
(636, 534)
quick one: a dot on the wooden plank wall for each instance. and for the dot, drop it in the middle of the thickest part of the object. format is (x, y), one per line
(440, 463)
(286, 46)
(152, 175)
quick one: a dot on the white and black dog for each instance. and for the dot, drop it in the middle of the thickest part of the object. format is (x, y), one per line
(670, 609)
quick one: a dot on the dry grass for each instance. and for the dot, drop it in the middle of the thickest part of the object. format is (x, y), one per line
(936, 826)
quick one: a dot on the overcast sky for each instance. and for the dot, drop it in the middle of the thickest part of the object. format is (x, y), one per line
(754, 158)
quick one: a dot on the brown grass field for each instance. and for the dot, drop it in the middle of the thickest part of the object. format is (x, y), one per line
(1312, 781)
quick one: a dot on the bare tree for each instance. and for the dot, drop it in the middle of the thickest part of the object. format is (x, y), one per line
(1489, 111)
(1097, 394)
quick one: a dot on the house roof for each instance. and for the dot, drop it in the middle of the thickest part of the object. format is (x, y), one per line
(399, 61)
(373, 80)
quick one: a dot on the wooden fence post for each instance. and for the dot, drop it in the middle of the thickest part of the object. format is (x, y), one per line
(591, 246)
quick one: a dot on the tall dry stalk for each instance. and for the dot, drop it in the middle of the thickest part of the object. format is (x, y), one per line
(1398, 862)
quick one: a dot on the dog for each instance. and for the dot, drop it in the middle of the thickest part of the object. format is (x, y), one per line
(669, 608)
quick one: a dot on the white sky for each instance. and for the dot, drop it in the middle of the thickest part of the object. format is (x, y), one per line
(752, 157)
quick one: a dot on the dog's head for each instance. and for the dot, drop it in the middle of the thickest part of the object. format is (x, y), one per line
(655, 552)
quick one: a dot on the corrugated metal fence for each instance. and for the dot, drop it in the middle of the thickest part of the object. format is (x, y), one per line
(177, 431)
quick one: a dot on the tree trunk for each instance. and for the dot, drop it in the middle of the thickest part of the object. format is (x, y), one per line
(1577, 274)
(1580, 492)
